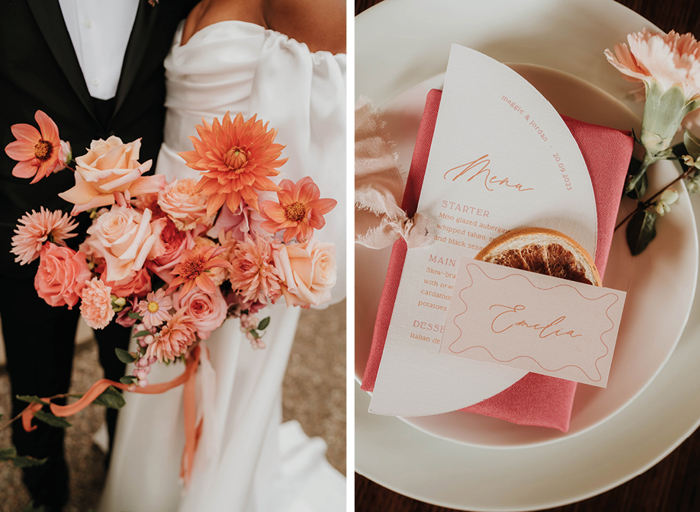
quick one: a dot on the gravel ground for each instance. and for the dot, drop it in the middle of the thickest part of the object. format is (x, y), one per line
(314, 394)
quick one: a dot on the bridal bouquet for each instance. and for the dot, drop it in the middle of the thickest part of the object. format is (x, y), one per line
(175, 260)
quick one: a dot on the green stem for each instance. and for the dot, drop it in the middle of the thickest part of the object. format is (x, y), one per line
(646, 162)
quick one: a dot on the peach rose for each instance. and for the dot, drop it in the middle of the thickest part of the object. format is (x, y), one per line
(185, 207)
(124, 238)
(308, 272)
(61, 276)
(96, 305)
(207, 310)
(110, 167)
(136, 283)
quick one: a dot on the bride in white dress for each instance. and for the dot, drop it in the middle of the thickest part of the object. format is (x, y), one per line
(245, 461)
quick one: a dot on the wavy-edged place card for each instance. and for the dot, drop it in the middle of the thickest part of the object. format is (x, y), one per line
(501, 158)
(534, 322)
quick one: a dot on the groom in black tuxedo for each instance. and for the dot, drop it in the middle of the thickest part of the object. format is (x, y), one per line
(40, 70)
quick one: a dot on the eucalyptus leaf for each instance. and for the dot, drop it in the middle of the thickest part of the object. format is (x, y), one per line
(141, 334)
(124, 356)
(127, 379)
(110, 398)
(134, 315)
(27, 462)
(641, 230)
(51, 419)
(7, 454)
(32, 399)
(692, 144)
(264, 323)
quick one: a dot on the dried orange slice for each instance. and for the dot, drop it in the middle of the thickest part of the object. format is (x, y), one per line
(544, 251)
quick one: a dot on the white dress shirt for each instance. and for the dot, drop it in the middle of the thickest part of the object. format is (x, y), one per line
(99, 31)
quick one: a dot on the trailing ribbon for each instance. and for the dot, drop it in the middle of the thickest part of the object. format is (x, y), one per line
(379, 185)
(188, 378)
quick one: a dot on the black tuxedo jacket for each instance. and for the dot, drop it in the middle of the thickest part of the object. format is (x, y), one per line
(39, 71)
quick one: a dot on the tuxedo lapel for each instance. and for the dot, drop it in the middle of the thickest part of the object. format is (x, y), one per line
(49, 17)
(136, 49)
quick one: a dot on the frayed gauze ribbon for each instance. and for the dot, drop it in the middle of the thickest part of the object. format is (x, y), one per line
(379, 185)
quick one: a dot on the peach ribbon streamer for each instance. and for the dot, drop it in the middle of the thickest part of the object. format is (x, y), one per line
(379, 185)
(193, 430)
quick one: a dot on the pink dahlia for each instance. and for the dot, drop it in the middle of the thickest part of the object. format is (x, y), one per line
(34, 229)
(254, 275)
(300, 210)
(155, 309)
(96, 305)
(174, 339)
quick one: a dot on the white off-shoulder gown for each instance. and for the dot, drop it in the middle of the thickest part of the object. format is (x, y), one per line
(246, 461)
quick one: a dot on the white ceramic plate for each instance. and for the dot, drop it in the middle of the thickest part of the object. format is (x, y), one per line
(400, 44)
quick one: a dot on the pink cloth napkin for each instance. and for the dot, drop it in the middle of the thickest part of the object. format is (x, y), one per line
(537, 400)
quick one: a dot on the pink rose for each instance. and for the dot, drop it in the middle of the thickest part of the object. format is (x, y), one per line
(185, 207)
(110, 167)
(96, 305)
(138, 283)
(124, 239)
(61, 276)
(173, 243)
(207, 310)
(308, 272)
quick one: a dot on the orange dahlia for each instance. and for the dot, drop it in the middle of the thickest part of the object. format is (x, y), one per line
(38, 153)
(300, 210)
(194, 269)
(235, 158)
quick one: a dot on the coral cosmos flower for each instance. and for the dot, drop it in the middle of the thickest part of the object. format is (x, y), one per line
(34, 229)
(155, 309)
(194, 267)
(39, 152)
(254, 275)
(235, 158)
(299, 212)
(669, 59)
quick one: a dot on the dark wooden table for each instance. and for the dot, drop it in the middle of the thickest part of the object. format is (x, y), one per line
(673, 485)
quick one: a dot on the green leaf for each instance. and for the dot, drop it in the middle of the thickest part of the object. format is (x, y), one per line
(27, 462)
(51, 419)
(127, 379)
(124, 356)
(32, 508)
(7, 454)
(264, 323)
(134, 315)
(32, 399)
(110, 398)
(641, 230)
(140, 334)
(692, 144)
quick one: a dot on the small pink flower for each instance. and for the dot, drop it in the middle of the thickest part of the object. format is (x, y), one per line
(61, 276)
(123, 317)
(300, 210)
(668, 59)
(96, 304)
(38, 153)
(174, 339)
(156, 308)
(254, 275)
(34, 229)
(207, 310)
(184, 205)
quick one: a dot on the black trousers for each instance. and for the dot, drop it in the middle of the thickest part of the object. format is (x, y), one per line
(39, 345)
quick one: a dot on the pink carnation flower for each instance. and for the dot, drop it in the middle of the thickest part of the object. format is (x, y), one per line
(254, 275)
(174, 339)
(96, 305)
(668, 59)
(155, 309)
(34, 229)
